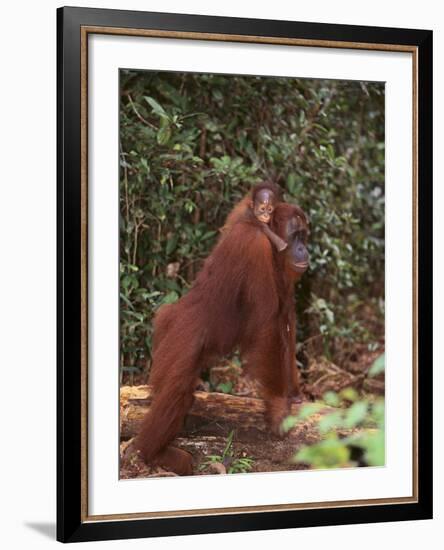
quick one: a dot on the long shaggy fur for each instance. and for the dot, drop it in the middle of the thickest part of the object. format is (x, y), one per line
(242, 297)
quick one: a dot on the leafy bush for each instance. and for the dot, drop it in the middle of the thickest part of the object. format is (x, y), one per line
(364, 447)
(191, 145)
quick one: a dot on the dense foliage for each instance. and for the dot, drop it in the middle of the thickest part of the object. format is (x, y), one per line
(360, 447)
(192, 145)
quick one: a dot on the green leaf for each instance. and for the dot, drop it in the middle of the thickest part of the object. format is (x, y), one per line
(229, 443)
(208, 235)
(378, 412)
(153, 294)
(135, 314)
(144, 163)
(289, 422)
(356, 414)
(375, 449)
(349, 394)
(331, 399)
(330, 316)
(378, 366)
(170, 298)
(291, 183)
(309, 410)
(225, 387)
(127, 301)
(330, 421)
(156, 107)
(330, 453)
(171, 244)
(373, 444)
(163, 135)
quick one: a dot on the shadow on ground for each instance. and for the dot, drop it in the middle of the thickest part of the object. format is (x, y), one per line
(48, 530)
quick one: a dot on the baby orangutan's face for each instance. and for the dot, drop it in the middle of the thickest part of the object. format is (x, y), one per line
(263, 205)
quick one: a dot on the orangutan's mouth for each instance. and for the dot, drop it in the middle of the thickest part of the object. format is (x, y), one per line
(301, 266)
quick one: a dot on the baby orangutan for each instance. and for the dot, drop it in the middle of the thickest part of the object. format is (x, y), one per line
(263, 204)
(258, 207)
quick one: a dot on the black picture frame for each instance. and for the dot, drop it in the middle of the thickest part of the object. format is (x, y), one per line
(72, 523)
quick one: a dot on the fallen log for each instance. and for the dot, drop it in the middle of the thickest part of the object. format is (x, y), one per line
(243, 412)
(212, 418)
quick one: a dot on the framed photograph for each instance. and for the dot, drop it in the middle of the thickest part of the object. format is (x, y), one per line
(244, 274)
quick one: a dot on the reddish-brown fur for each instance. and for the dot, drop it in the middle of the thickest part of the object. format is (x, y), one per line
(242, 297)
(244, 208)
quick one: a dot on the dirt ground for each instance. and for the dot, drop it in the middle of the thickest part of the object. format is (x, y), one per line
(269, 453)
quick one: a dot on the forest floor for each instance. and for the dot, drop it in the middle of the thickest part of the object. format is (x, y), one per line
(269, 454)
(208, 437)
